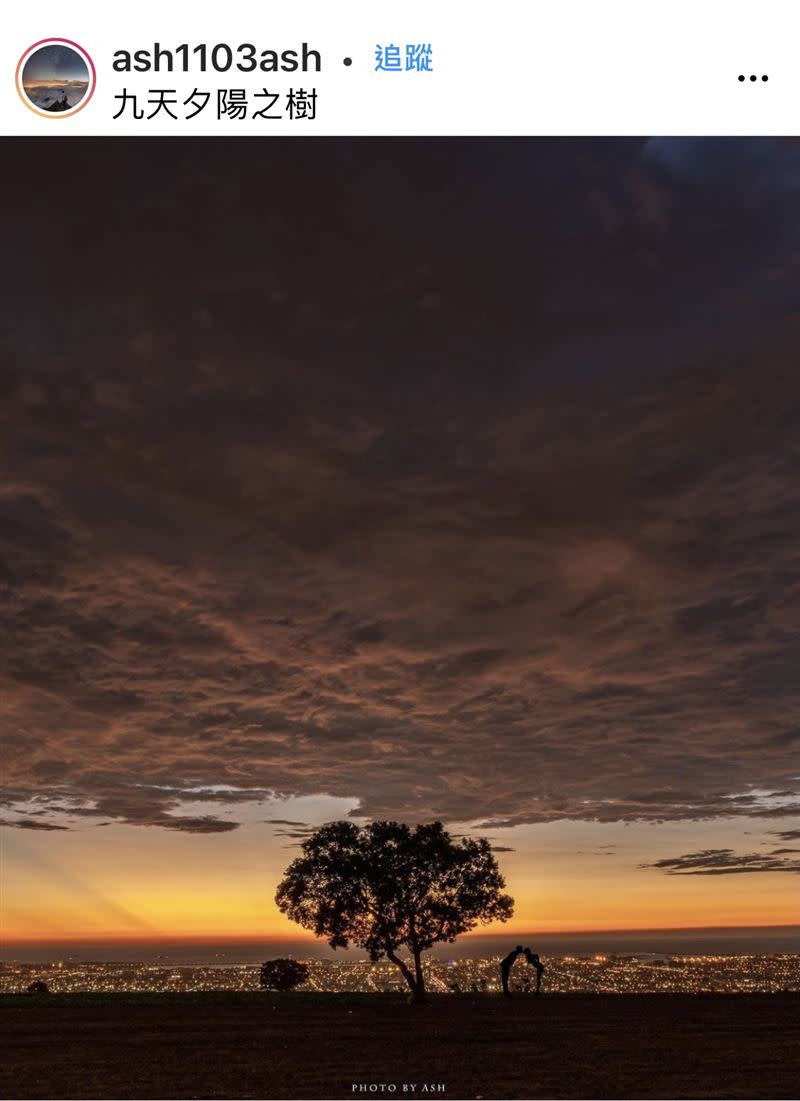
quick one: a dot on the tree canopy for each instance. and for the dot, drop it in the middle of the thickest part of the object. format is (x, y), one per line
(387, 886)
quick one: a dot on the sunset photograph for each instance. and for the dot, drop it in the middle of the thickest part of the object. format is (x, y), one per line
(400, 616)
(55, 77)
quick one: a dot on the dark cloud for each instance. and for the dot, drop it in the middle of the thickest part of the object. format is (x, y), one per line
(724, 862)
(787, 835)
(299, 831)
(204, 824)
(127, 807)
(460, 479)
(30, 824)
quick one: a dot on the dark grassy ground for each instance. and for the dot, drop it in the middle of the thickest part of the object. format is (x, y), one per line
(319, 1046)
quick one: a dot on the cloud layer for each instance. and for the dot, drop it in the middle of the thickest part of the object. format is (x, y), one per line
(727, 862)
(457, 478)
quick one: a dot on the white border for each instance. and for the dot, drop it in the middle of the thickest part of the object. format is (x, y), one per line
(536, 68)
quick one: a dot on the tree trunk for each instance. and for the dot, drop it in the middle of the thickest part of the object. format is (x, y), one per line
(419, 978)
(416, 983)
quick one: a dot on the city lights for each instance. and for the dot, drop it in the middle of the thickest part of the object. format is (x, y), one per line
(744, 974)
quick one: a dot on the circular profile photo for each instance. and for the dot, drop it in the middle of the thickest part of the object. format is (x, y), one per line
(55, 78)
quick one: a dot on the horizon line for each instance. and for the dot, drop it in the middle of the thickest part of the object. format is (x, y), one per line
(257, 938)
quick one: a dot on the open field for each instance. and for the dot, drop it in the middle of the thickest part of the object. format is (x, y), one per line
(321, 1045)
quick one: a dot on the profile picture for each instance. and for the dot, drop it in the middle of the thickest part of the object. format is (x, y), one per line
(55, 77)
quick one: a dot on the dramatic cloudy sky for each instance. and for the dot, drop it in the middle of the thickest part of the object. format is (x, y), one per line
(410, 479)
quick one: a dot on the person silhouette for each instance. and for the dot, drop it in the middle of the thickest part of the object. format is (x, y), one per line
(505, 967)
(534, 961)
(61, 104)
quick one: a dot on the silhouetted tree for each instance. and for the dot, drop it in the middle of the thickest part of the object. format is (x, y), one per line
(283, 974)
(386, 886)
(38, 987)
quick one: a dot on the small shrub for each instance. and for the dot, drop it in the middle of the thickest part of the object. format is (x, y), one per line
(283, 974)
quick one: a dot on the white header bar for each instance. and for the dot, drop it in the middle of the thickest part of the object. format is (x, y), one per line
(568, 67)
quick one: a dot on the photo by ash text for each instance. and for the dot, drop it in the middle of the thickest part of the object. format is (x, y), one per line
(398, 1087)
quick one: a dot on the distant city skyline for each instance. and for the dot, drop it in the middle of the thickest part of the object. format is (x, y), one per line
(565, 974)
